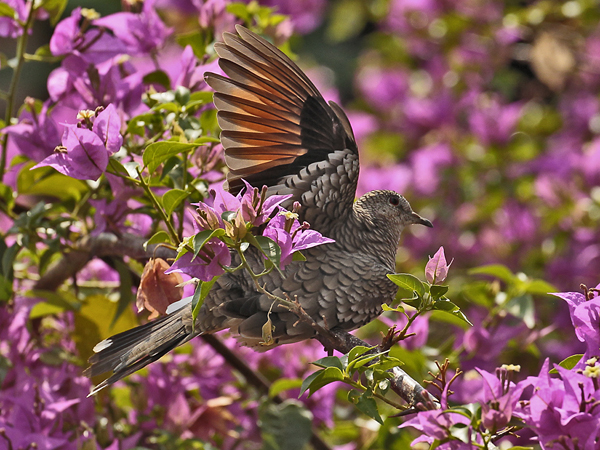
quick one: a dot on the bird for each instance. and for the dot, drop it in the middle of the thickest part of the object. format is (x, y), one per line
(278, 131)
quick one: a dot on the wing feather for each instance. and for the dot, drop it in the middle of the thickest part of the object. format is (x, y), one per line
(280, 132)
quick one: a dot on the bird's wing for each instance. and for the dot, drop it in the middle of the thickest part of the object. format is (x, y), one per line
(280, 132)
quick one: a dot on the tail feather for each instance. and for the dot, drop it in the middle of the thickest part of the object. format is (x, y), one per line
(131, 350)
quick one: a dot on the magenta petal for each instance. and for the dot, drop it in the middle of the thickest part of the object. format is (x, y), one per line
(87, 154)
(108, 126)
(310, 238)
(198, 267)
(437, 267)
(224, 201)
(63, 39)
(273, 202)
(60, 162)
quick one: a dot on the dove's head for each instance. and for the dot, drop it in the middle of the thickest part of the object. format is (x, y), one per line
(387, 212)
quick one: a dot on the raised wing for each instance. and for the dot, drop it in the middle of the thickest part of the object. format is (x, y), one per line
(280, 132)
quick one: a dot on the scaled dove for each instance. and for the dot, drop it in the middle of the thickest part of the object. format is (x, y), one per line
(278, 131)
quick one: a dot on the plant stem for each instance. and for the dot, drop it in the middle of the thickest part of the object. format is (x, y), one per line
(159, 208)
(12, 91)
(359, 386)
(289, 305)
(38, 58)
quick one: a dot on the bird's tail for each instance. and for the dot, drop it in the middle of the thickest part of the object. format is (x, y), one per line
(129, 351)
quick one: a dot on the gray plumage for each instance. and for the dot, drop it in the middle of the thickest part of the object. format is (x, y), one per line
(277, 130)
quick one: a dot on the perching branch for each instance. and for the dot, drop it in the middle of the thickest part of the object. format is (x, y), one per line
(108, 244)
(402, 384)
(89, 247)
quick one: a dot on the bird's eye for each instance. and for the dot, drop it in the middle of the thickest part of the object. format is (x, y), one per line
(394, 201)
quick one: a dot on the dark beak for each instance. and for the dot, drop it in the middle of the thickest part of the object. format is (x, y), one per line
(417, 219)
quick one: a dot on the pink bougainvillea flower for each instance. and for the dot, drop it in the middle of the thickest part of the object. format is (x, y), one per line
(84, 153)
(436, 269)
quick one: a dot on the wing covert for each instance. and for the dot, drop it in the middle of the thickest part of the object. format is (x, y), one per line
(280, 132)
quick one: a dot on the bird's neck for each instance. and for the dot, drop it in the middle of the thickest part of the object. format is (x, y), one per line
(361, 233)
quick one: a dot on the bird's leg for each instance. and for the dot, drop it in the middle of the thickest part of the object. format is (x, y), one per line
(329, 350)
(323, 332)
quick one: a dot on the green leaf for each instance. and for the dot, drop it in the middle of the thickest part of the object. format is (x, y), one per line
(203, 237)
(207, 139)
(451, 308)
(367, 405)
(444, 318)
(522, 307)
(399, 309)
(182, 95)
(158, 152)
(200, 294)
(468, 410)
(494, 270)
(353, 395)
(285, 426)
(157, 238)
(47, 256)
(330, 361)
(137, 124)
(92, 323)
(7, 11)
(384, 386)
(172, 199)
(408, 282)
(347, 19)
(158, 77)
(7, 196)
(197, 39)
(308, 381)
(6, 288)
(46, 181)
(298, 256)
(284, 384)
(268, 247)
(479, 292)
(43, 309)
(324, 377)
(539, 287)
(200, 97)
(54, 8)
(54, 303)
(361, 361)
(386, 363)
(240, 10)
(568, 363)
(42, 51)
(8, 255)
(357, 351)
(437, 291)
(115, 167)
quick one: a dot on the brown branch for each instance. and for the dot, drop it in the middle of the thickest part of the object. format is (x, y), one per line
(89, 247)
(402, 384)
